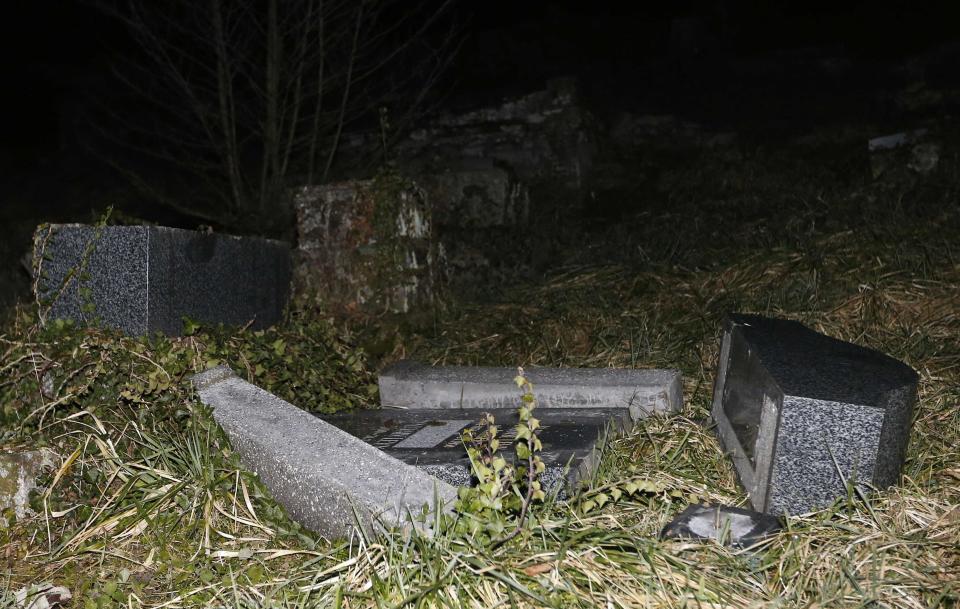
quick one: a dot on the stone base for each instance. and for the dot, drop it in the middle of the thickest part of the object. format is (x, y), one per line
(145, 279)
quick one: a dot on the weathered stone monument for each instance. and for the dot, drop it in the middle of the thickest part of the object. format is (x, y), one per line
(804, 415)
(366, 244)
(18, 477)
(145, 279)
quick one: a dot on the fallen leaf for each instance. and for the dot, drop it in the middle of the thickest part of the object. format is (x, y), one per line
(538, 568)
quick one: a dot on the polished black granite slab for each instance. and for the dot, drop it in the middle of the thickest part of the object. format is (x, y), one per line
(572, 439)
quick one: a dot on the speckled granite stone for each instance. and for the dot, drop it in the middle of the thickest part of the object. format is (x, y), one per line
(729, 525)
(324, 477)
(144, 279)
(802, 414)
(409, 384)
(572, 439)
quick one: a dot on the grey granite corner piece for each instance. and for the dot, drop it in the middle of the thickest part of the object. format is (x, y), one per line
(803, 414)
(728, 525)
(322, 476)
(409, 384)
(144, 279)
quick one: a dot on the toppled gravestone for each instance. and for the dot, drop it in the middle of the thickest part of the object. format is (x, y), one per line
(146, 279)
(366, 244)
(18, 476)
(427, 408)
(326, 479)
(804, 415)
(572, 439)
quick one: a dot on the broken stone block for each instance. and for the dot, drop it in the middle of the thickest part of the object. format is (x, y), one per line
(728, 525)
(18, 476)
(895, 140)
(145, 279)
(572, 439)
(411, 385)
(325, 478)
(803, 415)
(366, 243)
(910, 149)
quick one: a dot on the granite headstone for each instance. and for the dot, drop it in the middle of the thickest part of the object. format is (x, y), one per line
(804, 415)
(144, 279)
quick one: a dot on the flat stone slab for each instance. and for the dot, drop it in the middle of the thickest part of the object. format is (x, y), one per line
(411, 385)
(728, 525)
(572, 439)
(319, 473)
(803, 414)
(144, 279)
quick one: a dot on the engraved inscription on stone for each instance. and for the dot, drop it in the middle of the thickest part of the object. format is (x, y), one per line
(393, 436)
(478, 430)
(433, 434)
(431, 438)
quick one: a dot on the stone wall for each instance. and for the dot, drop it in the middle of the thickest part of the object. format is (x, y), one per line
(544, 136)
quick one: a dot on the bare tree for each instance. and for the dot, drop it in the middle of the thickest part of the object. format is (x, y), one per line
(241, 95)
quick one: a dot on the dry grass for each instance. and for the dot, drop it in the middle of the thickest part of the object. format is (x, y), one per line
(877, 271)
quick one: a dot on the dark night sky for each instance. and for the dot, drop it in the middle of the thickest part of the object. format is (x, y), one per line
(55, 50)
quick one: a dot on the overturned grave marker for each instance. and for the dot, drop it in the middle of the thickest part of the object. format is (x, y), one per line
(409, 384)
(324, 477)
(804, 414)
(430, 439)
(427, 408)
(144, 279)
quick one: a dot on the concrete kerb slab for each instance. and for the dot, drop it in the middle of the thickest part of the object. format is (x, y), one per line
(322, 475)
(411, 385)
